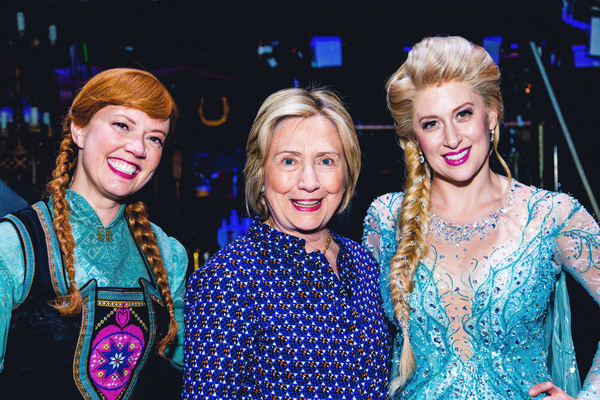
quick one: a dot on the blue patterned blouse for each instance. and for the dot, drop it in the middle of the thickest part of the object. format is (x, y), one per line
(266, 320)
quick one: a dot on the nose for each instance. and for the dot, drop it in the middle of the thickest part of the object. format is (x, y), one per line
(452, 137)
(136, 146)
(309, 180)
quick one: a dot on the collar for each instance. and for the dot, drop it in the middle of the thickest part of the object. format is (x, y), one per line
(83, 214)
(270, 237)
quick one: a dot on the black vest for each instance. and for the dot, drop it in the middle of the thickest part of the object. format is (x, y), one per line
(106, 352)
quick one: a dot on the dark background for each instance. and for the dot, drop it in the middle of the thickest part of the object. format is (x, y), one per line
(208, 50)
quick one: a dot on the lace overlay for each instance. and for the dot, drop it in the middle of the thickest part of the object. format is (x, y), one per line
(478, 326)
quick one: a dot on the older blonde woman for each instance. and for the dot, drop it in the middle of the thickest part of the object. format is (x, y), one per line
(291, 309)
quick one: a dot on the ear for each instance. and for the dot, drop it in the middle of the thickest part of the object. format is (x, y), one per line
(78, 135)
(493, 116)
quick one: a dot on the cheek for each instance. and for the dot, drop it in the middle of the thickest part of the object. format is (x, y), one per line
(427, 145)
(154, 157)
(276, 181)
(335, 183)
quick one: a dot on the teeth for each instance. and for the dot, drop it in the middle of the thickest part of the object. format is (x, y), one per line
(306, 203)
(457, 156)
(122, 167)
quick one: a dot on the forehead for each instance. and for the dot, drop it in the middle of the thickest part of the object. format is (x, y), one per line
(134, 115)
(313, 130)
(445, 96)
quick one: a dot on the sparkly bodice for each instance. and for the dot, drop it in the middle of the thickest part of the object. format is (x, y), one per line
(478, 309)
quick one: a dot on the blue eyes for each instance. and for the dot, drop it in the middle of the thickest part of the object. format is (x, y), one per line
(290, 162)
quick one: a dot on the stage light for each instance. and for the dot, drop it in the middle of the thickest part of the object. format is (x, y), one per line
(327, 51)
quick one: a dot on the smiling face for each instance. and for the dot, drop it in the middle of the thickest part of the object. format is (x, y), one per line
(304, 175)
(452, 127)
(119, 151)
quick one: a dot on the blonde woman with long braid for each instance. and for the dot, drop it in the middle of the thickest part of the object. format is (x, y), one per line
(471, 262)
(91, 292)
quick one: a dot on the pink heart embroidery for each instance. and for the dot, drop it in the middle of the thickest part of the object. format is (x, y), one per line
(122, 316)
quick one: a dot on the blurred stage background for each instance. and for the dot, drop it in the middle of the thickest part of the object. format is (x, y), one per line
(220, 59)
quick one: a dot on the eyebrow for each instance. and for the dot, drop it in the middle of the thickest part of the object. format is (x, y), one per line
(132, 121)
(297, 153)
(463, 105)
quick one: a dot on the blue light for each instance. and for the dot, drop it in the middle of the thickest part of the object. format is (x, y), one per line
(327, 51)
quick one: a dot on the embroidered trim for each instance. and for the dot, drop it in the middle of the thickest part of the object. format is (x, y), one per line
(104, 234)
(108, 303)
(77, 373)
(50, 248)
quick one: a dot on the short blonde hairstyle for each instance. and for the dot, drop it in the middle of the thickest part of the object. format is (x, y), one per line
(297, 103)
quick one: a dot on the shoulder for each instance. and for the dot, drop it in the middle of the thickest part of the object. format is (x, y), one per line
(356, 252)
(388, 200)
(351, 247)
(543, 199)
(12, 261)
(384, 210)
(173, 253)
(554, 210)
(9, 235)
(229, 263)
(387, 204)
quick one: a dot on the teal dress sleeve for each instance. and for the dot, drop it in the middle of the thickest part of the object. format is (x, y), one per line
(12, 275)
(380, 239)
(578, 252)
(175, 260)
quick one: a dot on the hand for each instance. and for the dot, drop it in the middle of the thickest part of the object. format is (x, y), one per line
(550, 389)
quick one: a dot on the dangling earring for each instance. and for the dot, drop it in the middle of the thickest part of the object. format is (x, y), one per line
(421, 158)
(492, 136)
(262, 189)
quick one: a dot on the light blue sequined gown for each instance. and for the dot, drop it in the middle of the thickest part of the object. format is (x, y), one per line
(489, 315)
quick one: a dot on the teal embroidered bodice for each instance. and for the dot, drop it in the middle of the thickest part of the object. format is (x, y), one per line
(487, 313)
(93, 256)
(113, 263)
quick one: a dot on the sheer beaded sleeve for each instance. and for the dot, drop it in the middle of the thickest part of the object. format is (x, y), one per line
(380, 237)
(578, 251)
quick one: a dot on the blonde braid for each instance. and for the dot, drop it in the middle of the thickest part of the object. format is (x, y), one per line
(69, 305)
(137, 216)
(412, 246)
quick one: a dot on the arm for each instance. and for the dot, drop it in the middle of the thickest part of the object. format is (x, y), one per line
(175, 260)
(216, 337)
(12, 274)
(379, 237)
(578, 251)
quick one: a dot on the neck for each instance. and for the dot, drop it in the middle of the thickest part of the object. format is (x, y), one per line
(483, 192)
